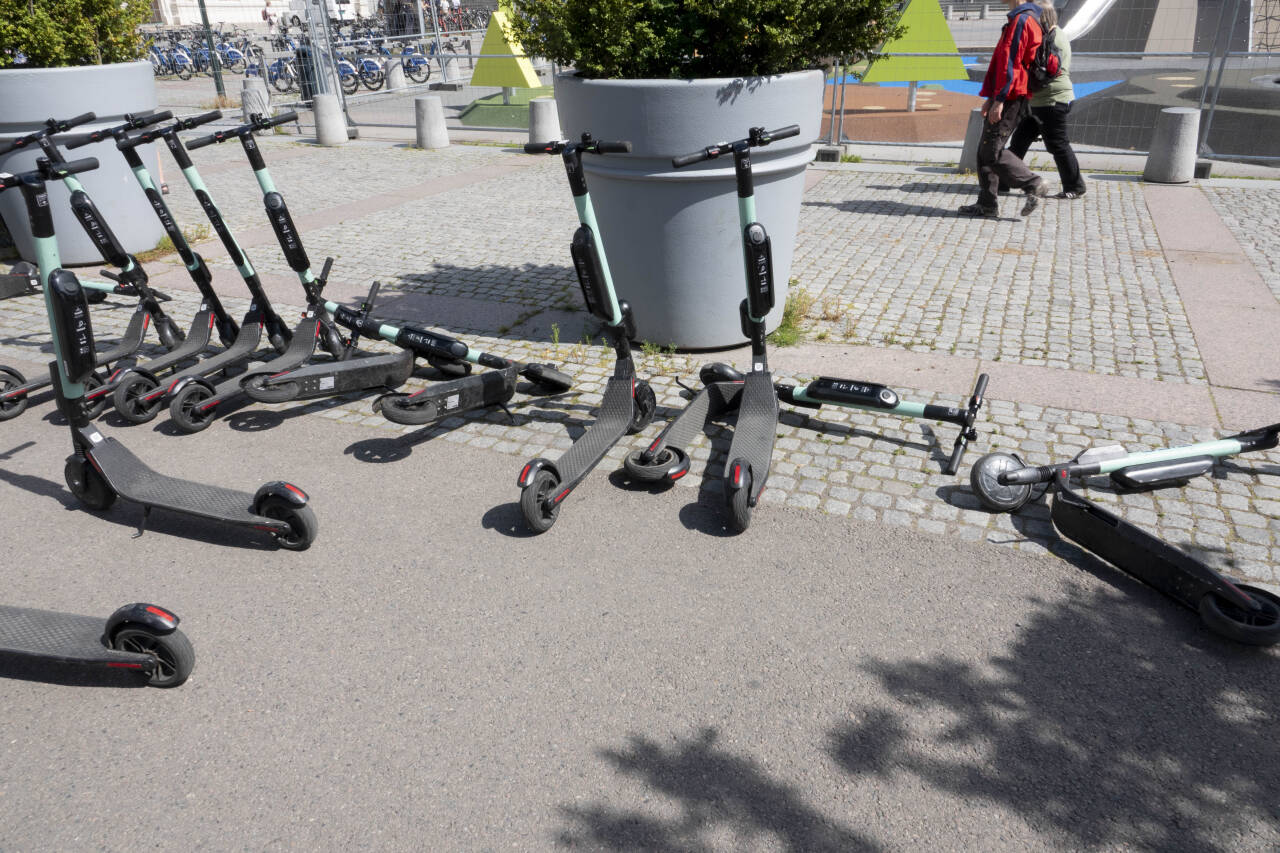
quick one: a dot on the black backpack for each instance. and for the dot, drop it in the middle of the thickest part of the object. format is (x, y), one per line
(1047, 63)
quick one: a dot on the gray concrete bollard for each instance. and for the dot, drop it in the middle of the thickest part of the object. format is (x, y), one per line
(428, 117)
(254, 98)
(393, 68)
(972, 136)
(449, 69)
(544, 120)
(331, 127)
(1172, 158)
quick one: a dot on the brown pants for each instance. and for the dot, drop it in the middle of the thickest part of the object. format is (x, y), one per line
(997, 165)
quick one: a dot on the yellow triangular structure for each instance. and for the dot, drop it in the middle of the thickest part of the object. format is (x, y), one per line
(507, 71)
(927, 32)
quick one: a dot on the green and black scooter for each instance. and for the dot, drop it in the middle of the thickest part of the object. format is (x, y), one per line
(1246, 614)
(629, 403)
(101, 469)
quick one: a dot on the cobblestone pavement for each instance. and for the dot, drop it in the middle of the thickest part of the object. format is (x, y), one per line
(1084, 286)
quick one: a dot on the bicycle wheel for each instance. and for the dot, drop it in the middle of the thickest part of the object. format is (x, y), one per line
(372, 78)
(349, 82)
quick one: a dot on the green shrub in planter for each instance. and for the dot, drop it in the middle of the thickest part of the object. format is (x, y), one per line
(57, 33)
(685, 39)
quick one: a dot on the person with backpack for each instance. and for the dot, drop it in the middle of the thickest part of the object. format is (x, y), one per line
(1051, 104)
(1007, 103)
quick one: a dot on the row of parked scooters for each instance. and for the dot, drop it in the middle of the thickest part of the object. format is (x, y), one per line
(218, 359)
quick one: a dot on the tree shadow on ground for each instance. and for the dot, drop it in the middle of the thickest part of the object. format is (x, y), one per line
(1113, 719)
(718, 792)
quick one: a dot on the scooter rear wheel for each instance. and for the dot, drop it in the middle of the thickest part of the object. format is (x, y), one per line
(451, 369)
(539, 513)
(659, 469)
(740, 503)
(87, 484)
(1251, 627)
(10, 378)
(173, 653)
(277, 392)
(99, 404)
(302, 520)
(128, 398)
(186, 411)
(995, 497)
(646, 403)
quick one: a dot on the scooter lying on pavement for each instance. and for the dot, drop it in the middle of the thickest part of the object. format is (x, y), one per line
(141, 638)
(1238, 612)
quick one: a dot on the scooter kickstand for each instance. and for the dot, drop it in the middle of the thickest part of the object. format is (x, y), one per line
(510, 414)
(142, 528)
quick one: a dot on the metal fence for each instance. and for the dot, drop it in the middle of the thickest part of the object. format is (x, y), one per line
(1136, 58)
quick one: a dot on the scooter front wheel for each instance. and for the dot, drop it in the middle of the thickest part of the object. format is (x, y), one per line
(646, 403)
(10, 378)
(187, 410)
(984, 480)
(1259, 627)
(87, 484)
(535, 501)
(128, 398)
(173, 653)
(302, 521)
(668, 464)
(97, 405)
(740, 503)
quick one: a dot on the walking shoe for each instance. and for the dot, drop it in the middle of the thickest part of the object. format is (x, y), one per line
(1068, 194)
(979, 211)
(1034, 194)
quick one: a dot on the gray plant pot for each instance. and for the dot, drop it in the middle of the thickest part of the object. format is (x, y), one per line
(32, 95)
(671, 235)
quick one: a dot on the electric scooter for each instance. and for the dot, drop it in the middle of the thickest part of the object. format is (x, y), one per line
(629, 403)
(102, 469)
(1239, 612)
(141, 638)
(210, 316)
(194, 401)
(437, 400)
(751, 395)
(140, 394)
(15, 389)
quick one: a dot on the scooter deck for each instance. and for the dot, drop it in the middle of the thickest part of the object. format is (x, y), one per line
(196, 342)
(713, 401)
(757, 427)
(1135, 551)
(130, 477)
(62, 637)
(365, 370)
(300, 349)
(453, 397)
(242, 349)
(126, 346)
(616, 411)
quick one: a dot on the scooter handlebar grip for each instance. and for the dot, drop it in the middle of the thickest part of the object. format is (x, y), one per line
(83, 118)
(202, 141)
(203, 118)
(1026, 476)
(980, 390)
(688, 159)
(88, 164)
(613, 147)
(540, 148)
(283, 118)
(154, 118)
(784, 132)
(70, 142)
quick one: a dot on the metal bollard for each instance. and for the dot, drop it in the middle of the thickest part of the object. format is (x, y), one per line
(254, 98)
(544, 120)
(1172, 156)
(331, 127)
(428, 117)
(972, 136)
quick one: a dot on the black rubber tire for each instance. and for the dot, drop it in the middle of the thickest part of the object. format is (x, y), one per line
(9, 379)
(739, 501)
(169, 333)
(25, 268)
(301, 518)
(547, 379)
(372, 80)
(350, 83)
(533, 499)
(173, 653)
(451, 369)
(655, 471)
(283, 82)
(992, 495)
(277, 392)
(718, 371)
(1258, 628)
(95, 297)
(278, 342)
(87, 484)
(418, 72)
(127, 398)
(183, 70)
(183, 411)
(99, 405)
(646, 403)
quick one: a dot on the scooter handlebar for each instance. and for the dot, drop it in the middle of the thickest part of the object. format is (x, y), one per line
(782, 133)
(543, 147)
(137, 123)
(51, 126)
(202, 141)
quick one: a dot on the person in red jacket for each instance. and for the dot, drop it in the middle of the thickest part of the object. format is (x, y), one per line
(1007, 103)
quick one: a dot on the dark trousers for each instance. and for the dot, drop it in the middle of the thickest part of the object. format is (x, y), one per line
(997, 165)
(1051, 123)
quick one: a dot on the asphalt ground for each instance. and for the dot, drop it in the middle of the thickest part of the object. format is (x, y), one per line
(427, 676)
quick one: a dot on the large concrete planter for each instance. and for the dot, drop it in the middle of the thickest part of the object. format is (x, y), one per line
(672, 236)
(32, 95)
